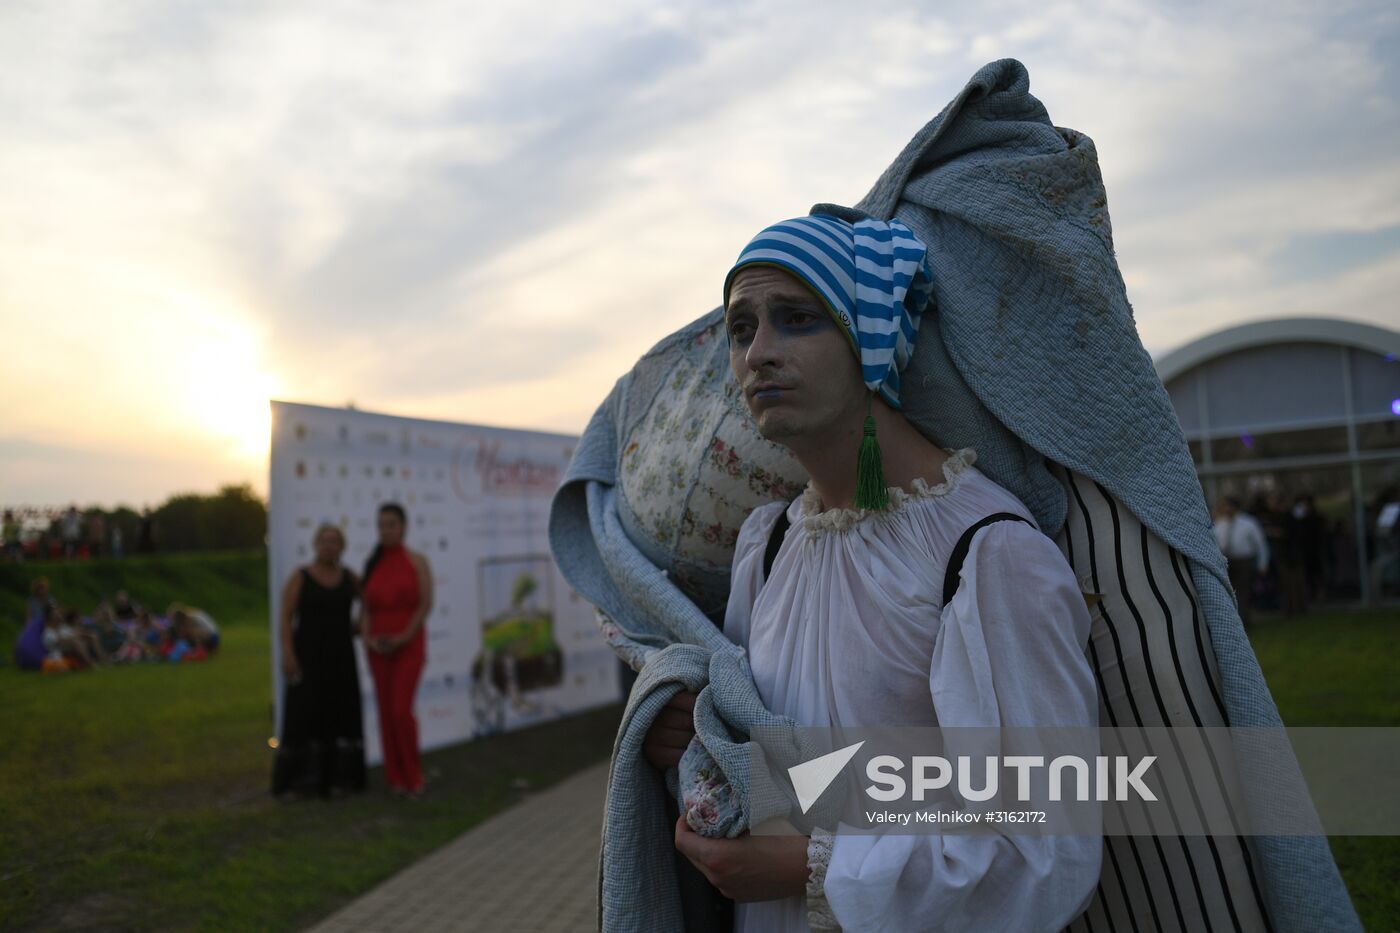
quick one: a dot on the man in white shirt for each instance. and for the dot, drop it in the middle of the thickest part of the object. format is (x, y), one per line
(1246, 549)
(850, 626)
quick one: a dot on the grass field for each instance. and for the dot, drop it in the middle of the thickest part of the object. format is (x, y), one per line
(1334, 669)
(1343, 669)
(136, 798)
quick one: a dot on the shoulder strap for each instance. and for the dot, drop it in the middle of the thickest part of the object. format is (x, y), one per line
(775, 541)
(953, 575)
(770, 553)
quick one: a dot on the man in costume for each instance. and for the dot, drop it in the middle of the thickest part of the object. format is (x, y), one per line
(849, 626)
(1027, 353)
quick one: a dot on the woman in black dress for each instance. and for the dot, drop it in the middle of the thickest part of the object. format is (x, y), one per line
(321, 749)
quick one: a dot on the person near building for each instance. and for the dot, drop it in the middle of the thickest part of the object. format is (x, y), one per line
(1246, 550)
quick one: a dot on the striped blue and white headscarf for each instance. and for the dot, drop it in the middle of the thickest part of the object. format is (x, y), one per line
(873, 276)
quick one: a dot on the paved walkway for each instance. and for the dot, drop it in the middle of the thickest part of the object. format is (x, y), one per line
(533, 867)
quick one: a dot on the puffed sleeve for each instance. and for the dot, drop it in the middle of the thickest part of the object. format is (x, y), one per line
(746, 572)
(1010, 651)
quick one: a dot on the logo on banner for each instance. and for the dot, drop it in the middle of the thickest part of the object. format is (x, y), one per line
(505, 476)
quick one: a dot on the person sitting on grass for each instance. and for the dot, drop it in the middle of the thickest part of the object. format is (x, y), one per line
(85, 634)
(120, 639)
(183, 640)
(69, 648)
(56, 661)
(131, 651)
(150, 633)
(205, 629)
(29, 646)
(110, 636)
(196, 626)
(160, 638)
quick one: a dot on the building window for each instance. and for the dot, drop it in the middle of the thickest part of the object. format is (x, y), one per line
(1379, 435)
(1271, 445)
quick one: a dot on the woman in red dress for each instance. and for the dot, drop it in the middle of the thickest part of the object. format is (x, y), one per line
(398, 595)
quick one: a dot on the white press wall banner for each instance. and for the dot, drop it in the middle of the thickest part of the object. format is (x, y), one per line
(509, 643)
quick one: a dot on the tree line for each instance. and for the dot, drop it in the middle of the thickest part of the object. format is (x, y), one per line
(233, 517)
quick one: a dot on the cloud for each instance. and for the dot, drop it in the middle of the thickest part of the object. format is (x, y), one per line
(1313, 256)
(39, 473)
(487, 212)
(566, 125)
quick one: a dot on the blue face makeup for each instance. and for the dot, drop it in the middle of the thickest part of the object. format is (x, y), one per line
(789, 319)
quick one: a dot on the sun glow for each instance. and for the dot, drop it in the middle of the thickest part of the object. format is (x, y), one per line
(226, 389)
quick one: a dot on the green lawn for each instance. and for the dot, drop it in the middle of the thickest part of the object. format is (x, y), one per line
(1335, 669)
(136, 798)
(1343, 669)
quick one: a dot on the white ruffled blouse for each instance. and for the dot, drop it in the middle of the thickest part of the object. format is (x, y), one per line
(850, 630)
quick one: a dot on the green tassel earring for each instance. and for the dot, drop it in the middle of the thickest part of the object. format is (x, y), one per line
(870, 473)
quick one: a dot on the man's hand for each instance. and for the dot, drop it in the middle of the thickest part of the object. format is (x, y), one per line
(749, 868)
(671, 732)
(291, 667)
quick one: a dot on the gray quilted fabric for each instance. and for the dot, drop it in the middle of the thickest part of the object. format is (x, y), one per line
(1031, 356)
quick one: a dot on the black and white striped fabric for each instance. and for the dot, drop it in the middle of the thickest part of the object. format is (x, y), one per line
(1153, 660)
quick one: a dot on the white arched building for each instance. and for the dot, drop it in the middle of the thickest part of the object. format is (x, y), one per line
(1276, 409)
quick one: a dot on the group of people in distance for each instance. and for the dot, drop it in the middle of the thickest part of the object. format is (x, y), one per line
(1284, 557)
(321, 747)
(40, 533)
(58, 639)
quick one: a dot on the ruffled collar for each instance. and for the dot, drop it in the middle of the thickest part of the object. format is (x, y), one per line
(815, 519)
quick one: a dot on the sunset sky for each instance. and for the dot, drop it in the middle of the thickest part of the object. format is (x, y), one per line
(486, 212)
